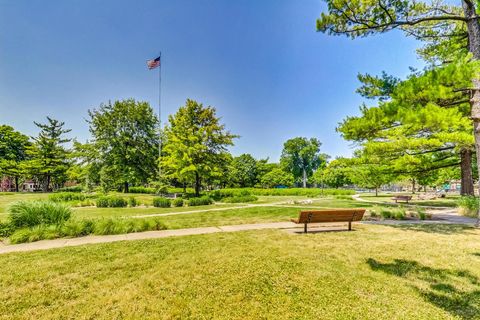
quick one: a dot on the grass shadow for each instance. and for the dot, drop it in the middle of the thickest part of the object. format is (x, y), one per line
(439, 228)
(455, 291)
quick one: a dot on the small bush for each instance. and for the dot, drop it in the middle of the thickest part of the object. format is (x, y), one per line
(117, 202)
(160, 202)
(132, 202)
(70, 189)
(178, 202)
(469, 205)
(239, 199)
(111, 202)
(6, 229)
(141, 190)
(202, 201)
(421, 213)
(102, 202)
(33, 213)
(76, 228)
(399, 214)
(374, 212)
(385, 213)
(66, 196)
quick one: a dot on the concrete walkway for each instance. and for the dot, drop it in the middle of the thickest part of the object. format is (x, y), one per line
(61, 243)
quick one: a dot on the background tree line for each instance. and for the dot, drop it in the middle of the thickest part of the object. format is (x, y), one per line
(123, 152)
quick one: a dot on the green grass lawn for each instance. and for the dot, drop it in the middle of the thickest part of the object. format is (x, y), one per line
(374, 272)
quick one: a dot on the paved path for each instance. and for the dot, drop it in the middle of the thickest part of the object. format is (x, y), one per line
(60, 243)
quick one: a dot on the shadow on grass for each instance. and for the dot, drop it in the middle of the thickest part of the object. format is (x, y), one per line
(435, 228)
(455, 291)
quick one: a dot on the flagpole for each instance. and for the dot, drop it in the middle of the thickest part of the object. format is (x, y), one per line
(160, 117)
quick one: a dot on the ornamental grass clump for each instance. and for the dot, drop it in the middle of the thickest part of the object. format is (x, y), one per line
(34, 213)
(202, 201)
(160, 202)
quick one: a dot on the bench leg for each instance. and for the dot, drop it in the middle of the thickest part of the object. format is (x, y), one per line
(305, 228)
(349, 225)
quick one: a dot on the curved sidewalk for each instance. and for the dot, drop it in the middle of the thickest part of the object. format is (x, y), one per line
(71, 242)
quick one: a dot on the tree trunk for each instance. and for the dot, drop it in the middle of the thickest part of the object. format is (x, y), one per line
(125, 187)
(16, 183)
(47, 184)
(466, 173)
(413, 185)
(197, 184)
(304, 178)
(473, 28)
(376, 191)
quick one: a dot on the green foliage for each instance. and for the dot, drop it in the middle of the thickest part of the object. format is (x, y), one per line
(243, 171)
(79, 228)
(161, 202)
(111, 202)
(33, 213)
(469, 205)
(49, 159)
(177, 202)
(70, 189)
(309, 192)
(201, 201)
(195, 145)
(132, 202)
(301, 157)
(336, 174)
(125, 141)
(6, 229)
(240, 199)
(13, 151)
(142, 190)
(276, 178)
(67, 196)
(228, 192)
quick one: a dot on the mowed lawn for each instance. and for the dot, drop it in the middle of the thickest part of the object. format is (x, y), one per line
(374, 272)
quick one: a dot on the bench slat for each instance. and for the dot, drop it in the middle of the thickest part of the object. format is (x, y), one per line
(332, 215)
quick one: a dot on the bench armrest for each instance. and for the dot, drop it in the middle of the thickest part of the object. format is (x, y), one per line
(294, 220)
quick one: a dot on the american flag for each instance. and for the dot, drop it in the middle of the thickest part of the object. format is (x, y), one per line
(152, 64)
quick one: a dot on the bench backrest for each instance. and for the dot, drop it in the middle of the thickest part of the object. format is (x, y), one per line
(331, 215)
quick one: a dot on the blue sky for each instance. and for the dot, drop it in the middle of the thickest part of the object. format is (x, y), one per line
(270, 75)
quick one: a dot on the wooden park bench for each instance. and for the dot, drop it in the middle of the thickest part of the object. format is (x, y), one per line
(402, 198)
(331, 215)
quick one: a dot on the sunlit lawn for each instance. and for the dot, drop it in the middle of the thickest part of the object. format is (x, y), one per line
(375, 272)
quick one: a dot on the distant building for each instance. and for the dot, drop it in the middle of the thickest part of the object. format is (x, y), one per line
(30, 186)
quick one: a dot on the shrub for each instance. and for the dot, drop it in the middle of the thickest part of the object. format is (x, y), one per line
(77, 228)
(141, 190)
(117, 202)
(160, 202)
(33, 213)
(6, 229)
(66, 196)
(102, 202)
(111, 202)
(239, 199)
(385, 213)
(399, 214)
(202, 201)
(132, 202)
(421, 213)
(178, 202)
(469, 205)
(309, 192)
(70, 189)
